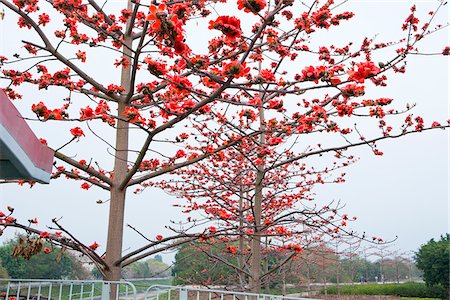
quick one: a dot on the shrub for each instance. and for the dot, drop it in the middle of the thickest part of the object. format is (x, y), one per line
(410, 289)
(433, 258)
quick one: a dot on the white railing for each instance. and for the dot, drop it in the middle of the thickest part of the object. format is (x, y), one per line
(165, 292)
(48, 289)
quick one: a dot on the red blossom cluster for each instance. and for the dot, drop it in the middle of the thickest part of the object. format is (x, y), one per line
(253, 6)
(364, 70)
(230, 27)
(77, 132)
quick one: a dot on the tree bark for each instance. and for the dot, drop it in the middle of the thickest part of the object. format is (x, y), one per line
(117, 195)
(255, 283)
(266, 268)
(241, 258)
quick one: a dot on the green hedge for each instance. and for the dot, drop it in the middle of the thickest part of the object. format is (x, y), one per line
(409, 289)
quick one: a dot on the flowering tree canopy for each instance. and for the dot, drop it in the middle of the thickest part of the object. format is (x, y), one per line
(248, 106)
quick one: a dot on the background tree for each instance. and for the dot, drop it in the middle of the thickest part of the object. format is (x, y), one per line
(3, 272)
(46, 264)
(147, 269)
(195, 264)
(433, 258)
(222, 189)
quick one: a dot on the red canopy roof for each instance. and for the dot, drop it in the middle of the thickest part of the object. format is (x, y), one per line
(22, 155)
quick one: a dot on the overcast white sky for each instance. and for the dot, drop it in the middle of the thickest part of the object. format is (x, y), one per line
(403, 193)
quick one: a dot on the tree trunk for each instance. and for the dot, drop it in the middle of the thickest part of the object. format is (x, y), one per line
(241, 258)
(309, 277)
(115, 234)
(266, 268)
(117, 202)
(117, 195)
(255, 268)
(255, 283)
(338, 270)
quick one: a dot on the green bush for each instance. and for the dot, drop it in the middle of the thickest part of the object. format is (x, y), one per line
(410, 289)
(434, 259)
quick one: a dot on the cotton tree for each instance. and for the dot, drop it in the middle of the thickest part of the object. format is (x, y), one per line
(221, 191)
(198, 103)
(254, 190)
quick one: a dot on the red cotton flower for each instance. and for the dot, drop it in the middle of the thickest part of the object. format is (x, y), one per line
(353, 90)
(155, 15)
(377, 152)
(86, 113)
(312, 73)
(125, 14)
(275, 104)
(31, 49)
(123, 61)
(253, 6)
(249, 114)
(77, 132)
(236, 69)
(2, 60)
(62, 77)
(133, 115)
(115, 89)
(181, 84)
(159, 237)
(86, 186)
(180, 153)
(344, 109)
(94, 246)
(10, 220)
(267, 75)
(321, 17)
(230, 27)
(275, 141)
(39, 109)
(44, 235)
(43, 19)
(55, 114)
(365, 69)
(295, 247)
(155, 67)
(102, 107)
(47, 250)
(231, 249)
(81, 55)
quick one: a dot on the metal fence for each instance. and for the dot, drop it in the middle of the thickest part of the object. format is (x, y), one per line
(36, 289)
(165, 292)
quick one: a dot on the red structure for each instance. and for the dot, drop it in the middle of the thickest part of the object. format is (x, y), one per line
(22, 155)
